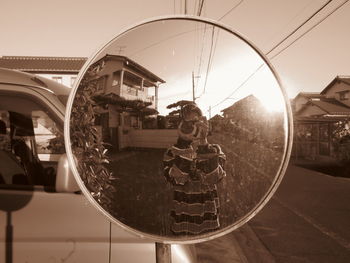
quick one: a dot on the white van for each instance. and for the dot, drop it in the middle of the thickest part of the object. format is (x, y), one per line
(43, 215)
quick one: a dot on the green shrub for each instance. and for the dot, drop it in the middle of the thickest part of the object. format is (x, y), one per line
(88, 147)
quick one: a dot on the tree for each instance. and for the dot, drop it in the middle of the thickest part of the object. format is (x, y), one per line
(175, 116)
(341, 140)
(179, 105)
(87, 145)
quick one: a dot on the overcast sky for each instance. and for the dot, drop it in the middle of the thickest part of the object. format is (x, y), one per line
(79, 28)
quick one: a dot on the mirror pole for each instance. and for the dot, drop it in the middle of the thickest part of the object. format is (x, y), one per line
(163, 253)
(9, 239)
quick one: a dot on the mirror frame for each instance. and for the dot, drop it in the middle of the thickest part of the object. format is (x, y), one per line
(217, 233)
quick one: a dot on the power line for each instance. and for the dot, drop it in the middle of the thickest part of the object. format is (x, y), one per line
(195, 6)
(282, 30)
(209, 61)
(212, 51)
(300, 26)
(251, 75)
(314, 26)
(161, 41)
(240, 86)
(201, 55)
(201, 3)
(229, 11)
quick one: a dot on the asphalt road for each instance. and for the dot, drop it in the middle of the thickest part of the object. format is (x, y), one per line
(307, 220)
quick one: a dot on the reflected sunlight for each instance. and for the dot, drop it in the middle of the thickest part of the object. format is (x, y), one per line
(267, 90)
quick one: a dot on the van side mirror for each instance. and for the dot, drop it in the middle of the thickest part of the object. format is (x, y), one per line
(65, 181)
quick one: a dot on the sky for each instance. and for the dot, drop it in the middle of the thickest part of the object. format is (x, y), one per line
(179, 52)
(80, 28)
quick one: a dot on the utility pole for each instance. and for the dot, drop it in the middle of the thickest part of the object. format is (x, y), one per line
(120, 49)
(193, 87)
(193, 95)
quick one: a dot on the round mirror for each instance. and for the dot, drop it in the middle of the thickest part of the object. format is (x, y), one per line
(178, 130)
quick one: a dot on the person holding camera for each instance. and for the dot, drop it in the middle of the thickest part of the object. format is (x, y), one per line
(194, 167)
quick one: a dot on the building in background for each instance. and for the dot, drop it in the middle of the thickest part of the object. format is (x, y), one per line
(126, 78)
(127, 93)
(250, 120)
(316, 118)
(302, 98)
(61, 69)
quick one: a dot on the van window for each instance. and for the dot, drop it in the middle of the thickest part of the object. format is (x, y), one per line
(31, 142)
(48, 138)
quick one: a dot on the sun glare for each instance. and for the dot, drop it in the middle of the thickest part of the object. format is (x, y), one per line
(271, 101)
(265, 87)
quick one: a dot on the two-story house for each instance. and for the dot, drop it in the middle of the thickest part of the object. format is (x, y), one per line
(315, 116)
(120, 77)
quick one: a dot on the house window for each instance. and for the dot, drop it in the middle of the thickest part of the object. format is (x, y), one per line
(131, 83)
(130, 90)
(101, 83)
(32, 139)
(116, 79)
(57, 79)
(344, 95)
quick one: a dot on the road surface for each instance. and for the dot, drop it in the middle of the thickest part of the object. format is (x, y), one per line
(307, 220)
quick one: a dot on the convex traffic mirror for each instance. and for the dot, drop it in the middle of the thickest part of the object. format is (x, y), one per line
(178, 130)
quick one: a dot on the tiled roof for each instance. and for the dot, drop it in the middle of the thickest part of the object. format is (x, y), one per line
(338, 79)
(324, 118)
(131, 64)
(345, 79)
(310, 95)
(332, 106)
(43, 64)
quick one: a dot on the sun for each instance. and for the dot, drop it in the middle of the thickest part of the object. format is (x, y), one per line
(267, 89)
(272, 101)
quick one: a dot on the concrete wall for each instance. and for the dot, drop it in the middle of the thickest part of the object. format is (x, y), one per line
(66, 79)
(107, 71)
(148, 138)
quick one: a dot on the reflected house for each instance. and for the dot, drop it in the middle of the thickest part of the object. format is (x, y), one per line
(215, 123)
(248, 108)
(243, 116)
(248, 119)
(315, 117)
(131, 92)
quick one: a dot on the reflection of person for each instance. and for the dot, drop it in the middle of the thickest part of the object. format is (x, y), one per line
(194, 167)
